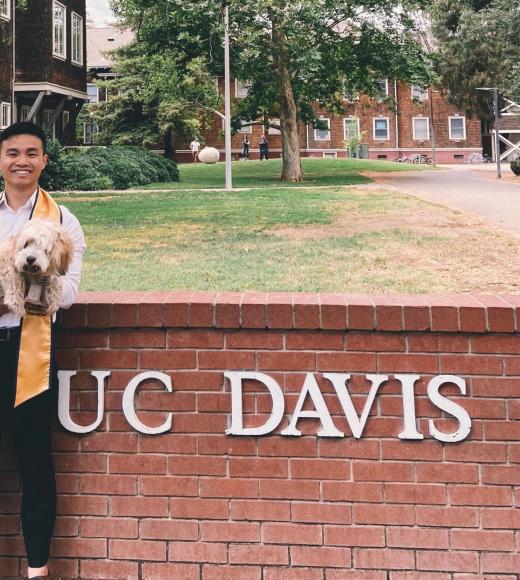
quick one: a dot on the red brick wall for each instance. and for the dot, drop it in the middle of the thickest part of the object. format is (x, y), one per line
(366, 110)
(195, 503)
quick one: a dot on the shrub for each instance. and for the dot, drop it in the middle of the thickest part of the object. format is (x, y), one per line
(115, 167)
(515, 166)
(51, 175)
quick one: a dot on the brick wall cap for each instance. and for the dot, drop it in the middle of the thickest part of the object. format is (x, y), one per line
(392, 308)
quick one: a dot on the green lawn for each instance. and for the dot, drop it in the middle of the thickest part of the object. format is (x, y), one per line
(353, 238)
(316, 171)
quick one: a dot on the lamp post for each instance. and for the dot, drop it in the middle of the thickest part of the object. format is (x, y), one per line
(497, 128)
(227, 98)
(433, 127)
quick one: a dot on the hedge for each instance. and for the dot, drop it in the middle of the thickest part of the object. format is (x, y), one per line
(515, 166)
(112, 167)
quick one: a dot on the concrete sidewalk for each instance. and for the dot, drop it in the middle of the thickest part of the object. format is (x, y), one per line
(474, 189)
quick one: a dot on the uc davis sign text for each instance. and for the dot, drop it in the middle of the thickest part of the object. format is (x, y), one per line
(310, 391)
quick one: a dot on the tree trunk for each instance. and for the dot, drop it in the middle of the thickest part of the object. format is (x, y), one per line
(169, 145)
(291, 166)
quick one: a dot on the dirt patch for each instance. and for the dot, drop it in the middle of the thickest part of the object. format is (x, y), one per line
(418, 247)
(510, 178)
(422, 218)
(382, 174)
(75, 198)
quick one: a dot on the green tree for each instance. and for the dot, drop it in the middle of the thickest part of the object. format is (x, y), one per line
(293, 54)
(154, 99)
(478, 45)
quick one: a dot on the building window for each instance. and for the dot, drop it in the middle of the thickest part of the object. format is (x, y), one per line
(241, 89)
(419, 93)
(381, 129)
(65, 120)
(5, 9)
(323, 134)
(351, 96)
(24, 114)
(272, 130)
(92, 92)
(77, 39)
(351, 128)
(89, 133)
(47, 123)
(5, 115)
(59, 27)
(382, 88)
(421, 128)
(248, 129)
(457, 128)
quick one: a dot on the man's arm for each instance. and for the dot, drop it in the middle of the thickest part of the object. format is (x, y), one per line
(70, 282)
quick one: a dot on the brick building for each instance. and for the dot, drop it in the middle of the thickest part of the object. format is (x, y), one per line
(43, 64)
(398, 123)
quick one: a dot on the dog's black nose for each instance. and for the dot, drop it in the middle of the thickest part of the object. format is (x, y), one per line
(30, 260)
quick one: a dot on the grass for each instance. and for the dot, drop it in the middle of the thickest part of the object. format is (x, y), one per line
(354, 238)
(316, 171)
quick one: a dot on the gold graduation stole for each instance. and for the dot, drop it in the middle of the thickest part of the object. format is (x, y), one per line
(34, 354)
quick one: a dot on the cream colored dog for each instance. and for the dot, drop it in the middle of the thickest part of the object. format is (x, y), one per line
(42, 249)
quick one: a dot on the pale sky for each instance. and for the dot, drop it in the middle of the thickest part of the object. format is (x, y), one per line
(99, 11)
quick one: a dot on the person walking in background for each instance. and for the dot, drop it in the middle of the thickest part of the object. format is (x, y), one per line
(245, 147)
(194, 146)
(264, 148)
(28, 392)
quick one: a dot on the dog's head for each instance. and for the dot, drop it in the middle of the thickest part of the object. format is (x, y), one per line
(42, 248)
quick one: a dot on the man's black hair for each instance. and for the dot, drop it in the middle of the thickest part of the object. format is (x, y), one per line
(24, 128)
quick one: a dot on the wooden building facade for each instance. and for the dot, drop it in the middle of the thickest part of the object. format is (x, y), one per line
(43, 64)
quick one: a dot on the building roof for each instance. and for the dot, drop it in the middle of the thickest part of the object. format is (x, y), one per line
(100, 41)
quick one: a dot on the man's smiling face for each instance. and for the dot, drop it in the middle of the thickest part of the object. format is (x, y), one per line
(21, 161)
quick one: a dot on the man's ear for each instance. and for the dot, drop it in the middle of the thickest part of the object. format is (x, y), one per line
(45, 159)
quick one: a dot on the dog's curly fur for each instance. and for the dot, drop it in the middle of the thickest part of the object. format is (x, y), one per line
(42, 248)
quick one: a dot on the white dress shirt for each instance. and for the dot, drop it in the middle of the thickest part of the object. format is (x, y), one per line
(11, 222)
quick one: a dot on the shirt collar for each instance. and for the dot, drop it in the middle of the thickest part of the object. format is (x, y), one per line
(29, 204)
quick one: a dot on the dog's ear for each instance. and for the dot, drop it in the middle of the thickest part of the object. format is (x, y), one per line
(63, 252)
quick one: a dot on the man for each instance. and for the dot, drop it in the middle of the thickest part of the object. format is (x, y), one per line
(194, 146)
(264, 148)
(28, 419)
(245, 147)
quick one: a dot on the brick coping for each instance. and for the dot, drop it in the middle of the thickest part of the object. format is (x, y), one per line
(301, 311)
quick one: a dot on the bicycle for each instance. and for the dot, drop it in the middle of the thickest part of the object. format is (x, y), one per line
(403, 159)
(422, 159)
(479, 158)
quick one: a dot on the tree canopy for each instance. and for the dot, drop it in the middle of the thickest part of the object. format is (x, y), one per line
(478, 46)
(153, 100)
(293, 55)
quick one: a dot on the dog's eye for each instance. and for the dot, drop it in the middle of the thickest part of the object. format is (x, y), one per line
(25, 245)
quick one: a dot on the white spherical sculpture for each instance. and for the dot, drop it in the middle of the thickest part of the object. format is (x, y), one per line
(209, 155)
